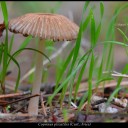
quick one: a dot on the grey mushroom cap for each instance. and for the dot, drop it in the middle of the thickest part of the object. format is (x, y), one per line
(45, 26)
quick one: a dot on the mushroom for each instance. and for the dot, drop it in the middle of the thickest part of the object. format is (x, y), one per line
(44, 26)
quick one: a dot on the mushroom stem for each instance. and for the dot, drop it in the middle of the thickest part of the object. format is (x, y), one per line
(34, 102)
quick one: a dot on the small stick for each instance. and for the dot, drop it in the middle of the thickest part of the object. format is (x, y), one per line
(73, 105)
(42, 104)
(18, 109)
(83, 106)
(99, 102)
(15, 94)
(120, 75)
(5, 104)
(116, 74)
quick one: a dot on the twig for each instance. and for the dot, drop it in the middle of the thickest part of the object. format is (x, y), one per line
(120, 75)
(42, 104)
(83, 106)
(99, 102)
(74, 105)
(18, 109)
(5, 104)
(64, 45)
(116, 74)
(15, 94)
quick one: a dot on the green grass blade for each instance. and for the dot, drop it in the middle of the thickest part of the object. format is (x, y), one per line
(86, 22)
(65, 81)
(11, 43)
(113, 20)
(1, 52)
(65, 115)
(5, 12)
(112, 95)
(78, 40)
(5, 48)
(101, 9)
(115, 42)
(123, 34)
(100, 69)
(85, 6)
(125, 70)
(83, 58)
(26, 42)
(65, 65)
(76, 48)
(80, 78)
(84, 98)
(93, 38)
(97, 32)
(68, 60)
(104, 79)
(90, 78)
(109, 59)
(18, 51)
(18, 77)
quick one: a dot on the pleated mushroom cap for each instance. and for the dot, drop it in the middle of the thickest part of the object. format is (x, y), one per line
(45, 26)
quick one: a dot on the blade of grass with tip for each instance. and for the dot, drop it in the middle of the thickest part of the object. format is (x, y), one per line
(11, 43)
(123, 34)
(5, 52)
(99, 26)
(5, 12)
(86, 22)
(93, 41)
(76, 50)
(78, 40)
(101, 9)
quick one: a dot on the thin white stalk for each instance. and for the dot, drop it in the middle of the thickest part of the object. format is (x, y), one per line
(34, 102)
(120, 75)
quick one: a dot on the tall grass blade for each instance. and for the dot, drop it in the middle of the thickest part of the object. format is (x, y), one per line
(11, 44)
(26, 42)
(18, 77)
(5, 12)
(90, 77)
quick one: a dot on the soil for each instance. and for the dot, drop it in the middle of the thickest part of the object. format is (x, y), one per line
(13, 106)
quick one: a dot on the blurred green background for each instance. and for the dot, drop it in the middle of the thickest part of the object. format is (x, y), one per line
(73, 11)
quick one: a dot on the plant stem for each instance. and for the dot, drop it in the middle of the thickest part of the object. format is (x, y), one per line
(34, 102)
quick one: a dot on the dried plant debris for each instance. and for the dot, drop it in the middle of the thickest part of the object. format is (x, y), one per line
(121, 102)
(2, 28)
(97, 100)
(104, 109)
(100, 111)
(99, 103)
